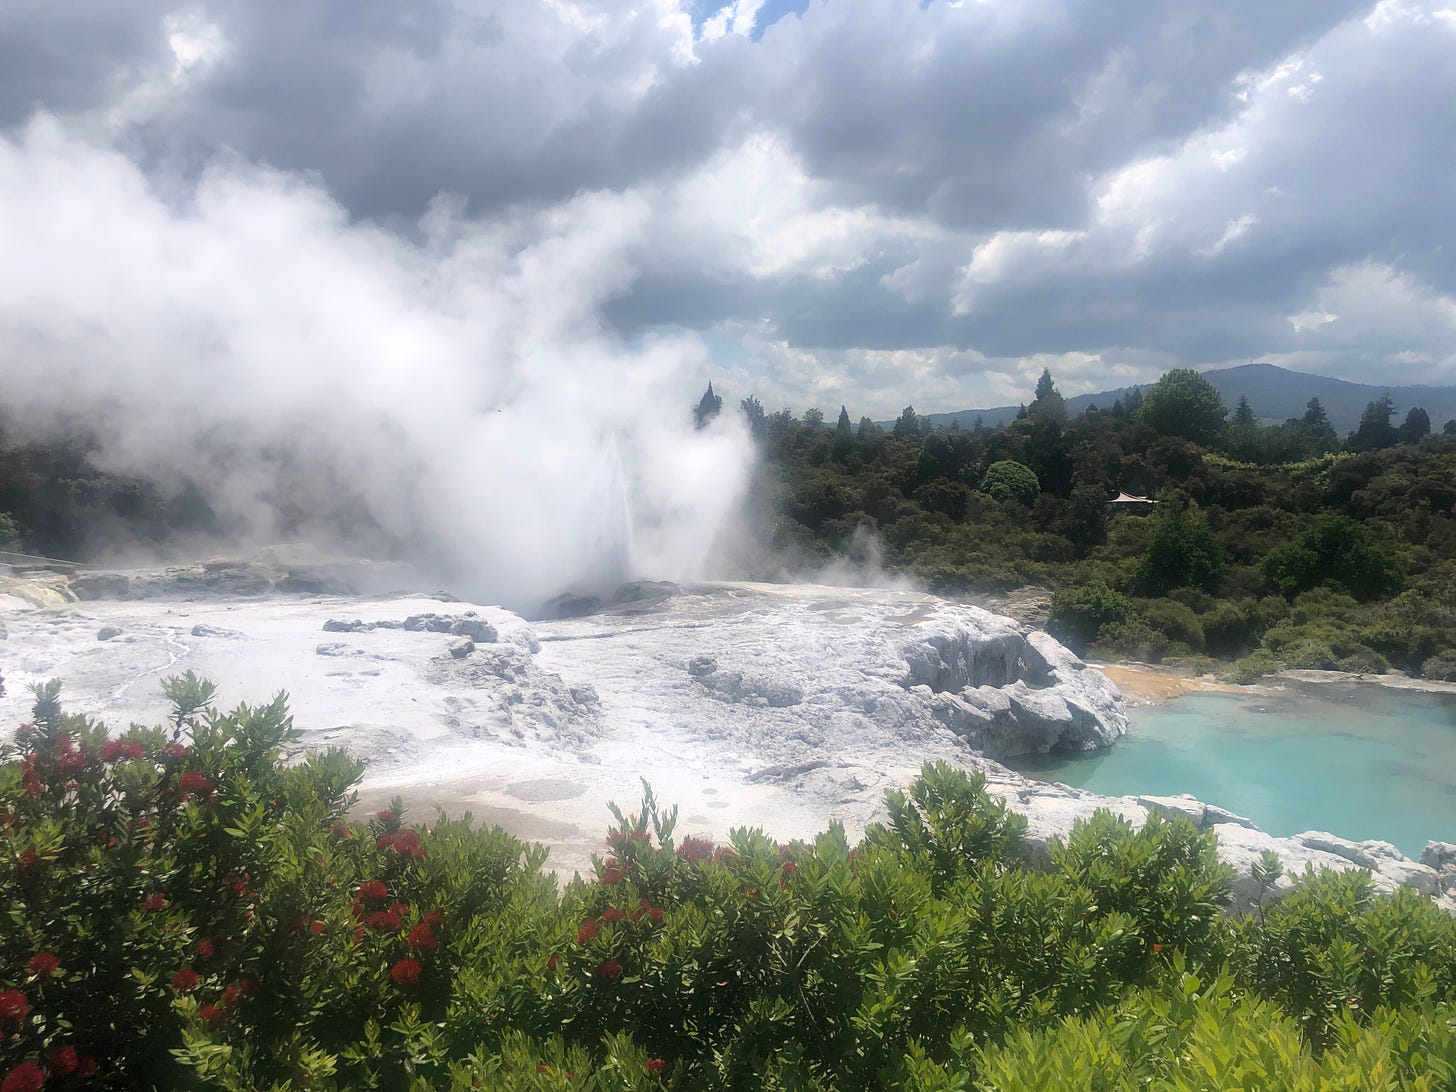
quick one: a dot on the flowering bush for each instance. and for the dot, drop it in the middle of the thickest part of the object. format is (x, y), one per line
(185, 911)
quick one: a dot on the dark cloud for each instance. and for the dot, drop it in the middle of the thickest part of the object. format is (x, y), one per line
(1040, 181)
(75, 56)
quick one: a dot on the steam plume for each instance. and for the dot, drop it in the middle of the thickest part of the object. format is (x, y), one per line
(237, 330)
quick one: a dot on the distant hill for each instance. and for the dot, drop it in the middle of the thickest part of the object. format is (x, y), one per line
(1275, 394)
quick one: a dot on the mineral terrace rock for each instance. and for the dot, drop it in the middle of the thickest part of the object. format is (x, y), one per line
(796, 705)
(100, 586)
(106, 633)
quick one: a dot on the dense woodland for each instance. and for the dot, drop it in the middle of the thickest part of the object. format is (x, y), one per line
(1270, 544)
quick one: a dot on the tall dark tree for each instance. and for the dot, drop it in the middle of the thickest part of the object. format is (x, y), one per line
(1449, 428)
(814, 418)
(843, 435)
(709, 406)
(1243, 413)
(1048, 404)
(1416, 427)
(907, 425)
(1375, 430)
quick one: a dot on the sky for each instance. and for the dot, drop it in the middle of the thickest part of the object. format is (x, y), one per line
(816, 202)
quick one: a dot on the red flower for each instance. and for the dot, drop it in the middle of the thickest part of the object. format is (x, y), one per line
(434, 918)
(551, 963)
(341, 832)
(237, 991)
(174, 750)
(193, 782)
(386, 816)
(64, 1060)
(212, 1016)
(543, 1067)
(13, 1006)
(790, 868)
(373, 889)
(588, 931)
(316, 928)
(611, 874)
(695, 849)
(88, 1067)
(405, 973)
(26, 1077)
(154, 903)
(612, 914)
(114, 749)
(422, 937)
(386, 921)
(1157, 948)
(43, 964)
(655, 1066)
(185, 979)
(406, 843)
(28, 859)
(205, 949)
(609, 969)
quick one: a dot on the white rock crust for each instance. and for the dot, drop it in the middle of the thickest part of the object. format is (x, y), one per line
(786, 707)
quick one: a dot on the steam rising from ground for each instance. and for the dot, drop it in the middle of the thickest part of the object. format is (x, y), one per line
(451, 392)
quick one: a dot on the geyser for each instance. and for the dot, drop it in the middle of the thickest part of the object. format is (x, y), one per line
(448, 392)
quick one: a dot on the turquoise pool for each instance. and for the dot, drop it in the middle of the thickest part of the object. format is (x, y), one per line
(1360, 761)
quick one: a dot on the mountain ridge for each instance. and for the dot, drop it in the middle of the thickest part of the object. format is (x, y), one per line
(1274, 393)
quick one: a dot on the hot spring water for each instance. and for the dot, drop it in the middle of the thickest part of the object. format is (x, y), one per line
(1358, 761)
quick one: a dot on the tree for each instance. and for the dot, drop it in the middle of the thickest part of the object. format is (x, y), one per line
(1375, 430)
(1183, 552)
(1010, 480)
(843, 435)
(1416, 427)
(1314, 415)
(753, 410)
(708, 407)
(1449, 428)
(907, 425)
(814, 418)
(1243, 413)
(1185, 404)
(1339, 553)
(1048, 405)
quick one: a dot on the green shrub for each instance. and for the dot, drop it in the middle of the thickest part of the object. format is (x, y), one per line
(1442, 667)
(184, 910)
(1254, 667)
(1078, 613)
(1133, 640)
(1174, 621)
(1365, 662)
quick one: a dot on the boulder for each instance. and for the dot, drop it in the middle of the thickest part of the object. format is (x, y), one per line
(477, 629)
(107, 632)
